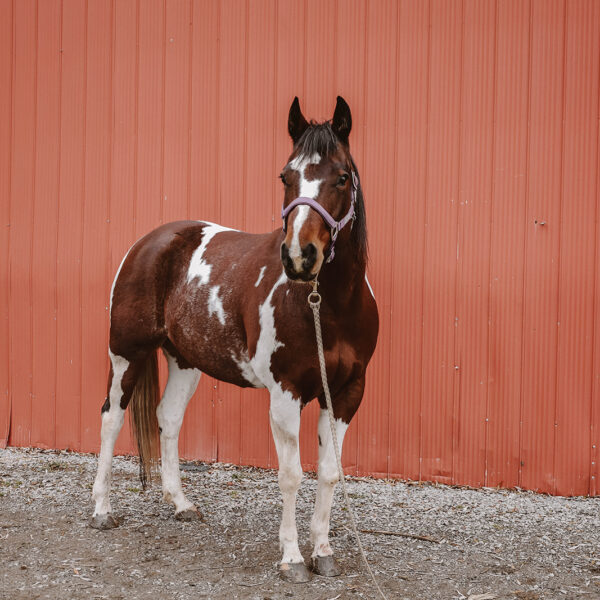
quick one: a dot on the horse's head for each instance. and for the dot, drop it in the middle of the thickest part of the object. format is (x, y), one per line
(320, 191)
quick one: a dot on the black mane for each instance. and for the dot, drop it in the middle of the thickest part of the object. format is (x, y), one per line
(319, 138)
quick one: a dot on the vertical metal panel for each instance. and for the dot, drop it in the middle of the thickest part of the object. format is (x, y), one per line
(70, 223)
(577, 238)
(542, 245)
(508, 197)
(472, 121)
(407, 267)
(45, 228)
(21, 218)
(473, 243)
(439, 299)
(6, 93)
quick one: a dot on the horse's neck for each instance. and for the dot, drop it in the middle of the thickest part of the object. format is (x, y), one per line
(341, 279)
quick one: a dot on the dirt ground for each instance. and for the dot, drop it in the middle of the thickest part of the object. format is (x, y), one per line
(482, 545)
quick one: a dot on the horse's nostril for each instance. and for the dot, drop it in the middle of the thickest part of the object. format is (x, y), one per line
(309, 255)
(309, 251)
(285, 257)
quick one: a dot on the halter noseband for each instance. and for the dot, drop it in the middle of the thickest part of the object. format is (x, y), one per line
(334, 226)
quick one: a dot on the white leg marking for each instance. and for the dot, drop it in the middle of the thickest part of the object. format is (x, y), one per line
(180, 387)
(328, 477)
(215, 304)
(112, 421)
(285, 425)
(199, 268)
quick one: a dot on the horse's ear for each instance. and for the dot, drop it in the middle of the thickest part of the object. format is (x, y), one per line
(342, 120)
(297, 124)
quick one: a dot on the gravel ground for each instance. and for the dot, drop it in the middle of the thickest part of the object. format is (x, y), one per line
(481, 545)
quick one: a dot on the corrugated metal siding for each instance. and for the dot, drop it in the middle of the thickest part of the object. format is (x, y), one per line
(477, 136)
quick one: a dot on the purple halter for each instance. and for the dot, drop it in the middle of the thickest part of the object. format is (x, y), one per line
(334, 226)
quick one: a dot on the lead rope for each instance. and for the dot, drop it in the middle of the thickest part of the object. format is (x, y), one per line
(314, 301)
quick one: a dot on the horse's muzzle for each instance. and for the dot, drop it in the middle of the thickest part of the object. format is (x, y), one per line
(301, 267)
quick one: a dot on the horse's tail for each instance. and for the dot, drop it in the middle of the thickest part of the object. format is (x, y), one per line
(144, 423)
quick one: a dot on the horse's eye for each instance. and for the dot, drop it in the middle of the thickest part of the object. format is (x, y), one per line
(284, 180)
(342, 180)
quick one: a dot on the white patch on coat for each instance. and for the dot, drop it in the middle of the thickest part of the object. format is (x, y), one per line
(267, 342)
(112, 289)
(328, 476)
(246, 369)
(181, 385)
(369, 286)
(260, 276)
(215, 304)
(199, 268)
(112, 421)
(308, 189)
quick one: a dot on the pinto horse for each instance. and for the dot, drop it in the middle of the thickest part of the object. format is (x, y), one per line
(234, 305)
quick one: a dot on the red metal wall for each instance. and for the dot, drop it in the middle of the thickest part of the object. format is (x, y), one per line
(476, 133)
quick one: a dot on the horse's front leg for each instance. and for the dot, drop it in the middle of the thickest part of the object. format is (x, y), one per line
(345, 405)
(285, 425)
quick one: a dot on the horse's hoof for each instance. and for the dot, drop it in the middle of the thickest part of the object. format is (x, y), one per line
(294, 572)
(190, 514)
(326, 566)
(104, 522)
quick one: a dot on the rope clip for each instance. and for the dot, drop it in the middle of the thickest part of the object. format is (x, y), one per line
(314, 298)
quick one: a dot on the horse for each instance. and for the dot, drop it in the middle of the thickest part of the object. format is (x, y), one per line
(233, 305)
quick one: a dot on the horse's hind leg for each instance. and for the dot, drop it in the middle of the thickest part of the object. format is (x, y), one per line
(181, 386)
(121, 383)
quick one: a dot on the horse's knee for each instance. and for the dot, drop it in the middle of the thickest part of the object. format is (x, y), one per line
(328, 473)
(290, 478)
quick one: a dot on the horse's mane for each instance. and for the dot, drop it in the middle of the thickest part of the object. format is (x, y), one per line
(320, 138)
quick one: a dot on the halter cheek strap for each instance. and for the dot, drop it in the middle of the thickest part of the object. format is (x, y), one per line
(334, 226)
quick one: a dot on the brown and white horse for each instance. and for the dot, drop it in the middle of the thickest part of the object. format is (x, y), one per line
(234, 305)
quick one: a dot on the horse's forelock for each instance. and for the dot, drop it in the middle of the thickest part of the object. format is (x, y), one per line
(318, 138)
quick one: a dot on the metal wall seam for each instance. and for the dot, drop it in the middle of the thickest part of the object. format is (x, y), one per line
(6, 128)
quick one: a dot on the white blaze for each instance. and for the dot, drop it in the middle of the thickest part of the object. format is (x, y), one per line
(308, 189)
